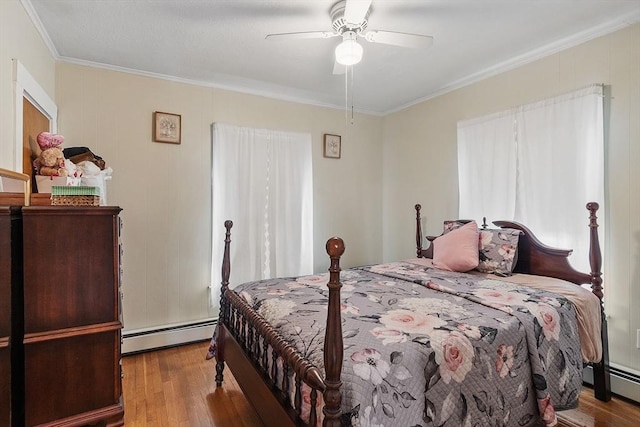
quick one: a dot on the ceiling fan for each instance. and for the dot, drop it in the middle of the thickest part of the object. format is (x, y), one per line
(349, 19)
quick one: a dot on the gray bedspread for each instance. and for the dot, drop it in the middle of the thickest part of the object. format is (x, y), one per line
(426, 347)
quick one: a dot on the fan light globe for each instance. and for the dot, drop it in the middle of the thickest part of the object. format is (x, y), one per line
(349, 52)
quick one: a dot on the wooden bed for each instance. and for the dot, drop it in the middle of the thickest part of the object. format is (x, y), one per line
(245, 341)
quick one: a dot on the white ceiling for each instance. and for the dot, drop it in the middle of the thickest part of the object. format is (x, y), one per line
(222, 43)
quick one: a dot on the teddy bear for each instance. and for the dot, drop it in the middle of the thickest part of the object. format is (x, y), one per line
(50, 161)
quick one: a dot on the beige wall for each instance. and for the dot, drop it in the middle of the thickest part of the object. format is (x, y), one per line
(164, 189)
(19, 40)
(420, 163)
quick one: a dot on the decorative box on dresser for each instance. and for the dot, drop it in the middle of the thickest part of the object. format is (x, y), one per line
(72, 321)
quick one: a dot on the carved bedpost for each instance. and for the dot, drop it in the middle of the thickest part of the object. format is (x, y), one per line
(224, 304)
(595, 255)
(418, 232)
(601, 375)
(333, 351)
(226, 267)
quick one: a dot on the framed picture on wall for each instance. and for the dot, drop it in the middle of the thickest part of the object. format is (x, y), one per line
(332, 146)
(167, 127)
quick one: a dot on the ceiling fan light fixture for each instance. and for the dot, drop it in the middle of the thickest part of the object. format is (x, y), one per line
(349, 52)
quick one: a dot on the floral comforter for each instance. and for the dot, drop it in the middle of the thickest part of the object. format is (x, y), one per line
(426, 347)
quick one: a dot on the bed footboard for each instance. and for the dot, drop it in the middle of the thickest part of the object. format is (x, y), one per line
(271, 373)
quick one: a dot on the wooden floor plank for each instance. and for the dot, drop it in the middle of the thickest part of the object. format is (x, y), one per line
(176, 387)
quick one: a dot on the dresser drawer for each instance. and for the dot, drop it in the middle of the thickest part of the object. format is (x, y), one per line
(71, 373)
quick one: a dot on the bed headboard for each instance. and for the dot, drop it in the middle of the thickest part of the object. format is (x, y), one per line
(534, 257)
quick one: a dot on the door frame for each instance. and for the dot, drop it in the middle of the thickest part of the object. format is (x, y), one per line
(25, 86)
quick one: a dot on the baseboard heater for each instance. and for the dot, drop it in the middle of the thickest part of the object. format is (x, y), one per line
(135, 341)
(623, 382)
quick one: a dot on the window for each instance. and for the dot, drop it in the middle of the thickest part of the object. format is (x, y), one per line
(538, 164)
(262, 181)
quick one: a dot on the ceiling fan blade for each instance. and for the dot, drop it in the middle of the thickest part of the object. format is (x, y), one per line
(339, 68)
(399, 39)
(302, 35)
(356, 10)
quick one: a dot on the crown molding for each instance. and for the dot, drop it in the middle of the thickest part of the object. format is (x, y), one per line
(531, 56)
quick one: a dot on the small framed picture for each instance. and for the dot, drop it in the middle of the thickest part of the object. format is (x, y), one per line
(332, 146)
(167, 127)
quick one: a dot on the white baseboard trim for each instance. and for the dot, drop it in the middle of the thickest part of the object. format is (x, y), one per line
(623, 383)
(135, 341)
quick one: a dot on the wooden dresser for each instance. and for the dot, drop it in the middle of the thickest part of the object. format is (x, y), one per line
(71, 314)
(10, 273)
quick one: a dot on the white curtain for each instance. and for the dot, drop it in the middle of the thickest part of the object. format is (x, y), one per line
(262, 181)
(538, 164)
(486, 167)
(561, 168)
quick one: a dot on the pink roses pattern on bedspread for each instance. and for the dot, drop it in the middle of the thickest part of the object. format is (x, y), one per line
(426, 347)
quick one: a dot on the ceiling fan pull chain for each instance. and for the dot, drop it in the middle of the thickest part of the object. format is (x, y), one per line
(352, 93)
(346, 97)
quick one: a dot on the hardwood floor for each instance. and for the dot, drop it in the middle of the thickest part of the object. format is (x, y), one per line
(592, 412)
(175, 387)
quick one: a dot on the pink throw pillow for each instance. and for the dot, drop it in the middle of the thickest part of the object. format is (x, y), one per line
(458, 249)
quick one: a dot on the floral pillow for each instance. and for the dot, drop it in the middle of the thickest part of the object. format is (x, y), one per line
(498, 249)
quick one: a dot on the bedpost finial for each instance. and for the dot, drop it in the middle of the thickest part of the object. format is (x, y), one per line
(418, 207)
(228, 224)
(593, 219)
(335, 247)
